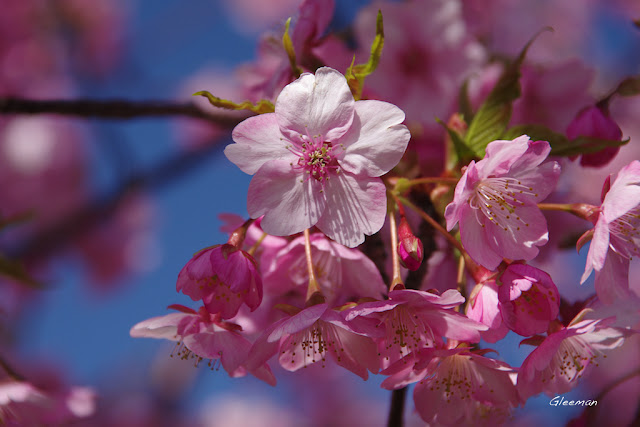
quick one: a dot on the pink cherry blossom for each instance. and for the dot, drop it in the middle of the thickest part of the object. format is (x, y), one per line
(457, 387)
(555, 366)
(412, 320)
(595, 121)
(341, 272)
(616, 236)
(23, 404)
(495, 201)
(223, 277)
(529, 300)
(202, 335)
(313, 334)
(317, 160)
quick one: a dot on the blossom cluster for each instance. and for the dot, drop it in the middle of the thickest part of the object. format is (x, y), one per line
(321, 273)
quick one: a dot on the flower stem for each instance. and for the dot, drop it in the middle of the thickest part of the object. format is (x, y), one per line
(434, 224)
(257, 244)
(237, 237)
(395, 257)
(313, 283)
(396, 411)
(434, 180)
(564, 207)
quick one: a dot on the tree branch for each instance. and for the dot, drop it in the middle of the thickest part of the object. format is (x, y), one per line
(47, 241)
(113, 109)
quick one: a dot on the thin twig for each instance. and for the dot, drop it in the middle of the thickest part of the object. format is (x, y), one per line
(113, 109)
(396, 411)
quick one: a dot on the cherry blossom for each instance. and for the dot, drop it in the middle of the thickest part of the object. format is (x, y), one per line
(412, 320)
(564, 356)
(203, 335)
(495, 201)
(595, 121)
(314, 333)
(529, 300)
(616, 238)
(223, 277)
(317, 160)
(341, 272)
(457, 387)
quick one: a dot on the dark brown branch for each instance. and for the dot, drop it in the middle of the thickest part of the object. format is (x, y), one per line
(113, 109)
(396, 411)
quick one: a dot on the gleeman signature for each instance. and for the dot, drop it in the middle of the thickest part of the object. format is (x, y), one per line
(560, 401)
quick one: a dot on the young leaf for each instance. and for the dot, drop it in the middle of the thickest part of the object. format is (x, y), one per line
(491, 120)
(264, 106)
(629, 86)
(288, 47)
(355, 74)
(536, 133)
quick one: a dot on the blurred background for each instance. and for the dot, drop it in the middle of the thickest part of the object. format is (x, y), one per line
(109, 210)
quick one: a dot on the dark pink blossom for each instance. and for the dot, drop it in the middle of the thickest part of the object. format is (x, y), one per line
(410, 248)
(223, 277)
(495, 201)
(202, 335)
(529, 300)
(317, 160)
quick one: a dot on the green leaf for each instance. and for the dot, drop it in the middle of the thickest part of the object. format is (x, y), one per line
(288, 47)
(355, 74)
(584, 145)
(629, 86)
(464, 103)
(491, 120)
(264, 106)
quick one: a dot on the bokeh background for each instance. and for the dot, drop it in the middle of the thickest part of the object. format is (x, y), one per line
(117, 207)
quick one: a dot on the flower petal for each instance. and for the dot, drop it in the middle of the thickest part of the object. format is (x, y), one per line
(288, 205)
(316, 105)
(624, 194)
(598, 249)
(376, 141)
(258, 140)
(474, 240)
(354, 206)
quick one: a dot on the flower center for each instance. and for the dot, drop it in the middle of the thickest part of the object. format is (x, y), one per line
(317, 157)
(626, 229)
(499, 199)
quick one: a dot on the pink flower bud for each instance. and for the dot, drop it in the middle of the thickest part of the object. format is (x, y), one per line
(410, 247)
(596, 122)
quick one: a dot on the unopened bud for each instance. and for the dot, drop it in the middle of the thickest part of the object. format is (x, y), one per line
(595, 122)
(410, 247)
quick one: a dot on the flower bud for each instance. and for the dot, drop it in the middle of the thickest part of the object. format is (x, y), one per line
(410, 247)
(595, 122)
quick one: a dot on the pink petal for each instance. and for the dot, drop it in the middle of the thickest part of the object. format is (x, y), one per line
(316, 105)
(598, 248)
(624, 194)
(376, 141)
(298, 322)
(288, 205)
(354, 206)
(258, 140)
(501, 156)
(464, 189)
(165, 327)
(542, 179)
(612, 281)
(474, 240)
